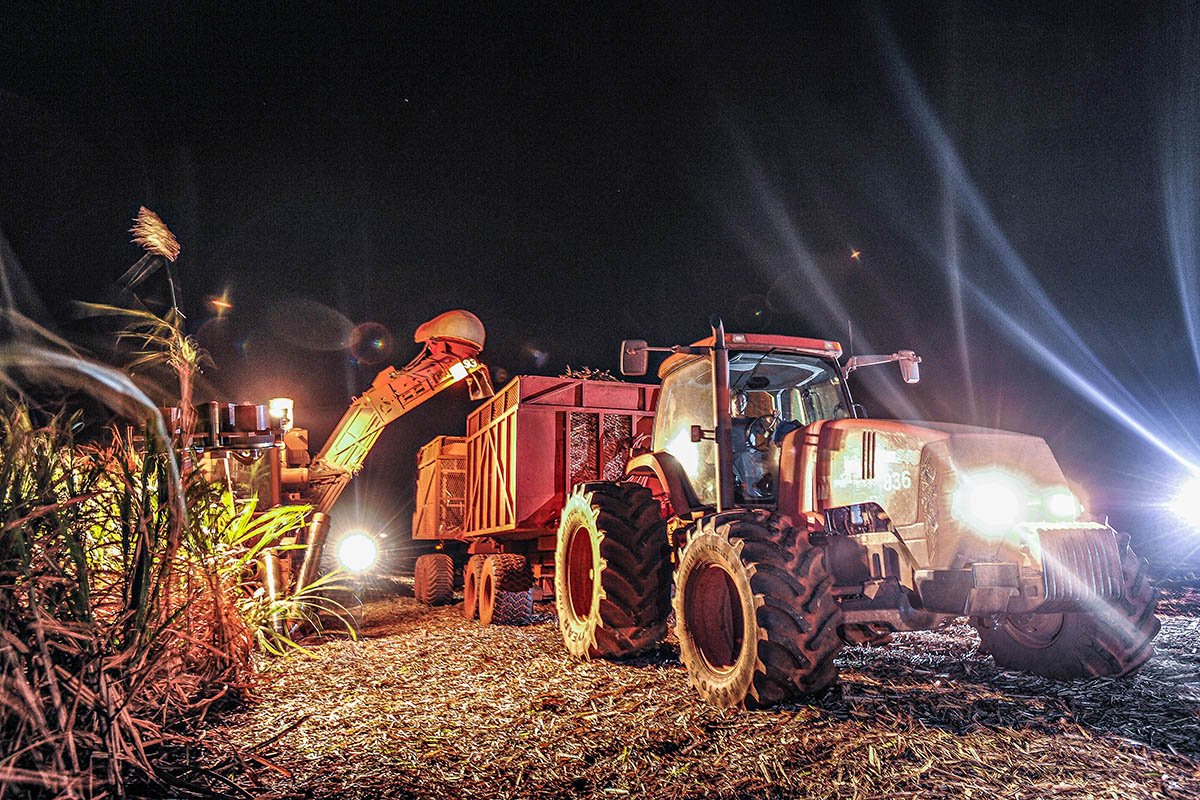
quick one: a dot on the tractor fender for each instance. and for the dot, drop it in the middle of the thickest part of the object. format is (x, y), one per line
(662, 473)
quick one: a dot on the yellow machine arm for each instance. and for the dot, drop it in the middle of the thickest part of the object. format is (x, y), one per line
(452, 342)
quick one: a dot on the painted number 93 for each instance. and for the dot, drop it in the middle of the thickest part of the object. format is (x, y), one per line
(897, 481)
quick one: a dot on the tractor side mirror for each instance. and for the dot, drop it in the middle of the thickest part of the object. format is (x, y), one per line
(909, 360)
(635, 357)
(909, 369)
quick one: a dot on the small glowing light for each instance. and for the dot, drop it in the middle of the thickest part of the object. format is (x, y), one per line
(358, 552)
(458, 371)
(221, 304)
(1187, 498)
(991, 503)
(855, 255)
(281, 408)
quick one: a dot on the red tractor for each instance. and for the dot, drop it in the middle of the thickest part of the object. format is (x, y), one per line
(778, 523)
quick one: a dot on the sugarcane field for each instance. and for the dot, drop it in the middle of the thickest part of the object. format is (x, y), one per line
(539, 401)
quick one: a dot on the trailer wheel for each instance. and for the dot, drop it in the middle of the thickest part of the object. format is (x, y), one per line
(756, 620)
(505, 590)
(471, 573)
(513, 608)
(433, 579)
(1113, 640)
(612, 571)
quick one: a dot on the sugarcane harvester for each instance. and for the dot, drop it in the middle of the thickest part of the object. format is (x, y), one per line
(254, 449)
(235, 439)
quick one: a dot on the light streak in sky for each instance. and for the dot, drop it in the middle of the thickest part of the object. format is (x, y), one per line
(1179, 169)
(1019, 330)
(811, 291)
(1039, 320)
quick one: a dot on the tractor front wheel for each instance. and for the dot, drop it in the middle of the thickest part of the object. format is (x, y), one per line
(1113, 639)
(756, 620)
(612, 571)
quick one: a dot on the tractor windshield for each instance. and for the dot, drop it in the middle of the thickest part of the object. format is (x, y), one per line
(772, 393)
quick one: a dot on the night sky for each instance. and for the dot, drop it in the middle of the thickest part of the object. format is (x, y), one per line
(1022, 188)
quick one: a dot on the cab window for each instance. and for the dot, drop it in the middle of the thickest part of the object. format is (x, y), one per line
(687, 400)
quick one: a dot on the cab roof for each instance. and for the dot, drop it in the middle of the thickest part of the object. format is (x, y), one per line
(759, 342)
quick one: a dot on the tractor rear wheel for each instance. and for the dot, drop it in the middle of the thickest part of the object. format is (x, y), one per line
(471, 573)
(612, 571)
(505, 590)
(1113, 640)
(756, 620)
(433, 579)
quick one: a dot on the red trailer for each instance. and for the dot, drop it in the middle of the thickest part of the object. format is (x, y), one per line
(497, 493)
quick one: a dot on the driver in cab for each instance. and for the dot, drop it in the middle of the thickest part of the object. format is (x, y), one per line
(754, 422)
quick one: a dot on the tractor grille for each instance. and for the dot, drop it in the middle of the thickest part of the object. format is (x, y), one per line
(1080, 563)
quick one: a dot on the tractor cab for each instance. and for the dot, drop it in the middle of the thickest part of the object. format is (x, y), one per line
(777, 387)
(725, 406)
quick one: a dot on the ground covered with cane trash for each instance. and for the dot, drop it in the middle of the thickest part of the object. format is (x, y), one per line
(427, 704)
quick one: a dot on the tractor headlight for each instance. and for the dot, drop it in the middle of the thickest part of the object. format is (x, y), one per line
(991, 502)
(358, 552)
(1061, 505)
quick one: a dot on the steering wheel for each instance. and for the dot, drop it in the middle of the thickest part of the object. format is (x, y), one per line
(759, 432)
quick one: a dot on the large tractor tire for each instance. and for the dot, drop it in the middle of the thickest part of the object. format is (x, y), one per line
(612, 571)
(505, 591)
(433, 579)
(1114, 639)
(755, 616)
(471, 574)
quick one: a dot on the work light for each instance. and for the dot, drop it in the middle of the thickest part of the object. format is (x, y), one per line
(358, 552)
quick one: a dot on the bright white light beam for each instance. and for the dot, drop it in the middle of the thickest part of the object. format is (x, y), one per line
(1072, 378)
(358, 552)
(954, 173)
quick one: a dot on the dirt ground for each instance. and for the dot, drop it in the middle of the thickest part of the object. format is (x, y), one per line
(426, 704)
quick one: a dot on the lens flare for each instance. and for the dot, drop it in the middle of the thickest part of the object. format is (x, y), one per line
(308, 324)
(371, 343)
